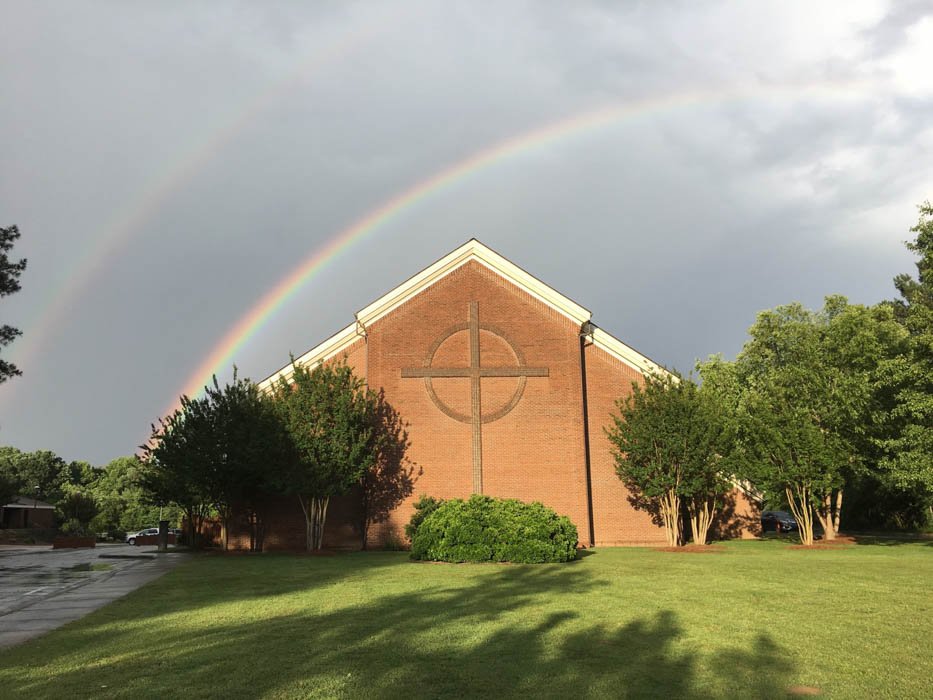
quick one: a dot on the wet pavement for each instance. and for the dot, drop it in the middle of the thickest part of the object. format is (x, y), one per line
(42, 589)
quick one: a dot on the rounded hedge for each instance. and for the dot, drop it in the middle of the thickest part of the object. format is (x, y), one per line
(494, 529)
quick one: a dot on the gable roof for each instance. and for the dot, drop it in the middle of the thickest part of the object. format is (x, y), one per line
(471, 251)
(474, 251)
(27, 502)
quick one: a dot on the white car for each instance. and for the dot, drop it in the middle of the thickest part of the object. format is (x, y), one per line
(131, 536)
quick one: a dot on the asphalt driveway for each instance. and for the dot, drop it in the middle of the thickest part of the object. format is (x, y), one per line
(42, 589)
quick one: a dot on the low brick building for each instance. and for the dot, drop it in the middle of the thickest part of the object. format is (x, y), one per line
(506, 386)
(24, 512)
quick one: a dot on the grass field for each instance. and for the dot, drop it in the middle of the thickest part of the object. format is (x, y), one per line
(757, 620)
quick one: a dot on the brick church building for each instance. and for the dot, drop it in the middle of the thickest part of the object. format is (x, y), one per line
(506, 387)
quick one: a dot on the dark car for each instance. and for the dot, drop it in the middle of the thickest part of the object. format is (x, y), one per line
(778, 521)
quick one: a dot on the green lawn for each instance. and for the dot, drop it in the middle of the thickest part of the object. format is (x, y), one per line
(754, 621)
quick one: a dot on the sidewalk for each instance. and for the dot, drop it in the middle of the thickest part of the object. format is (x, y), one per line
(42, 589)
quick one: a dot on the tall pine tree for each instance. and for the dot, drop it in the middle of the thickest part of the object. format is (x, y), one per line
(9, 283)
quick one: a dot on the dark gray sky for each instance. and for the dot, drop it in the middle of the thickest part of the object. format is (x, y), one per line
(169, 163)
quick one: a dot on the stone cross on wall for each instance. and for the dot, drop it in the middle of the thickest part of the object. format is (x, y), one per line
(475, 372)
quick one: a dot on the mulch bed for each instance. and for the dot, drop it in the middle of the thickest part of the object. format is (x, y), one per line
(247, 553)
(840, 541)
(694, 549)
(803, 690)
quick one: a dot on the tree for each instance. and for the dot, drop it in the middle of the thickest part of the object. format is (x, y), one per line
(669, 437)
(9, 283)
(174, 460)
(803, 396)
(255, 446)
(122, 502)
(787, 452)
(10, 487)
(328, 415)
(76, 510)
(41, 474)
(908, 379)
(214, 453)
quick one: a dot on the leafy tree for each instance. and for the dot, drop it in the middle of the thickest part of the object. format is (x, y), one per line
(41, 474)
(174, 459)
(803, 391)
(908, 379)
(788, 453)
(255, 445)
(669, 437)
(76, 510)
(79, 475)
(328, 414)
(10, 487)
(9, 283)
(213, 453)
(122, 502)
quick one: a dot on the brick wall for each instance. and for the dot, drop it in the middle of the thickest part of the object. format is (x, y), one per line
(615, 520)
(535, 452)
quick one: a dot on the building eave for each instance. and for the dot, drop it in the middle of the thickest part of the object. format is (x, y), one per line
(339, 342)
(472, 250)
(628, 355)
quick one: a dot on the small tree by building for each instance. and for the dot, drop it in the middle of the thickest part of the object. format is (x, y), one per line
(216, 452)
(804, 393)
(174, 463)
(328, 414)
(254, 446)
(668, 439)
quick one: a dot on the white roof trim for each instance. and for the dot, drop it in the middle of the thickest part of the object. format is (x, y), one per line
(337, 343)
(624, 353)
(31, 503)
(748, 488)
(473, 250)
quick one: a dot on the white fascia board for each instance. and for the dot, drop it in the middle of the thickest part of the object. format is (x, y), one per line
(337, 343)
(26, 503)
(748, 488)
(624, 353)
(473, 250)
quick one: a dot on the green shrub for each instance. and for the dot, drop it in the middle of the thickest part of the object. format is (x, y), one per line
(423, 508)
(491, 529)
(74, 528)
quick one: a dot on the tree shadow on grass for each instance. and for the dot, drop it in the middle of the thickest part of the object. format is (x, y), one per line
(516, 631)
(249, 577)
(894, 539)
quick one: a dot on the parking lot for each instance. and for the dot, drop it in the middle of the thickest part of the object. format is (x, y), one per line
(42, 588)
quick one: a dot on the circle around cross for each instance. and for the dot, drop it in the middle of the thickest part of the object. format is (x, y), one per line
(516, 395)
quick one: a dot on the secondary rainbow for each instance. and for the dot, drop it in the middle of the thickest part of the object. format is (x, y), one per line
(130, 219)
(223, 353)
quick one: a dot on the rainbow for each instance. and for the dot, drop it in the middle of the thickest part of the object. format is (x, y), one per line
(130, 219)
(250, 323)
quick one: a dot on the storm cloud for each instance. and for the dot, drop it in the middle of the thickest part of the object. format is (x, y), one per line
(169, 163)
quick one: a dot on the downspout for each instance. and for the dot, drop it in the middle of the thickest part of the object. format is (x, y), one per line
(586, 331)
(361, 331)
